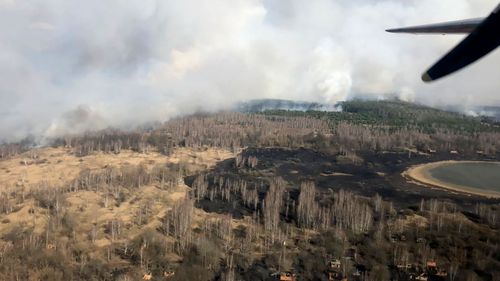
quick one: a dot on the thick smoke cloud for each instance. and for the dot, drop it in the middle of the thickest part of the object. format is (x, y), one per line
(68, 66)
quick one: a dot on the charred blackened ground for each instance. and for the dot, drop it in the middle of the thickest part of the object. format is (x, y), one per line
(318, 195)
(377, 173)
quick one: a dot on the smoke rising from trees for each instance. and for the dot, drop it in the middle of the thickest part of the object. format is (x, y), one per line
(69, 66)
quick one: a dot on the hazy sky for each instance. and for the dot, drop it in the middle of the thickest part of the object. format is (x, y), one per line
(67, 66)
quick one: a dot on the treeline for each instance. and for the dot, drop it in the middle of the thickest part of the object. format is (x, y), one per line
(224, 130)
(233, 131)
(399, 114)
(9, 149)
(107, 141)
(362, 126)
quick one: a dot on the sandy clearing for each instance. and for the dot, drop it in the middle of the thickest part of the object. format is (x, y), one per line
(420, 173)
(58, 165)
(88, 208)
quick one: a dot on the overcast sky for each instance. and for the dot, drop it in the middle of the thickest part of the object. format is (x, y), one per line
(67, 66)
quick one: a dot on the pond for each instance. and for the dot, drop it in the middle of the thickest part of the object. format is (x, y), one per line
(477, 177)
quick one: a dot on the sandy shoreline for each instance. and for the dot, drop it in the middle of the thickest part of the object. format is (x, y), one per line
(420, 173)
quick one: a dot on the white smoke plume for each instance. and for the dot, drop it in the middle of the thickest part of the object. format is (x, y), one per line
(69, 66)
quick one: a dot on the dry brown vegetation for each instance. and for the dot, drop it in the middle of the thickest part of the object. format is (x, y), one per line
(179, 202)
(62, 201)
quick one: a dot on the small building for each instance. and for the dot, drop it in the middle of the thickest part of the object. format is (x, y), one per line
(168, 274)
(335, 264)
(404, 267)
(453, 151)
(398, 237)
(287, 276)
(333, 276)
(431, 264)
(420, 240)
(394, 238)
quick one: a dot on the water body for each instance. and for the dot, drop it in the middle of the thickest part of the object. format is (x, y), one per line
(474, 175)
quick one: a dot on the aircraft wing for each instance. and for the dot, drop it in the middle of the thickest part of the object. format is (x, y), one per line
(452, 27)
(484, 37)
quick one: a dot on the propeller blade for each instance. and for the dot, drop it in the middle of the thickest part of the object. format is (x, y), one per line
(484, 39)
